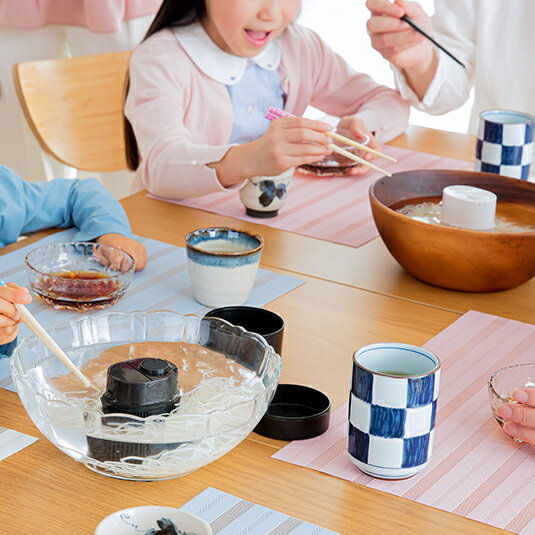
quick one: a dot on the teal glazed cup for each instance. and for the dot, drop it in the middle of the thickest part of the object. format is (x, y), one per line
(223, 263)
(392, 409)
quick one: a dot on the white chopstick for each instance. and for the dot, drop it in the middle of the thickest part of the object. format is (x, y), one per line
(40, 332)
(354, 143)
(351, 156)
(49, 342)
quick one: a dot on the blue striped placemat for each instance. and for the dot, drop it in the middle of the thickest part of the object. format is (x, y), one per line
(230, 515)
(13, 441)
(163, 284)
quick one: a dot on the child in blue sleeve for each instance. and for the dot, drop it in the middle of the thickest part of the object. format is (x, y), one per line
(28, 207)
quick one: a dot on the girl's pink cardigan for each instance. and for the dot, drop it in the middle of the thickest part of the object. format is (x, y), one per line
(101, 16)
(182, 118)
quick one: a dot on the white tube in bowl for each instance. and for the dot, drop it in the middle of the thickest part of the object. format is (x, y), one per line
(468, 207)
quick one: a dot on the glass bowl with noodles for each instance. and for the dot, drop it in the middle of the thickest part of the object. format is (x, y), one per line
(226, 379)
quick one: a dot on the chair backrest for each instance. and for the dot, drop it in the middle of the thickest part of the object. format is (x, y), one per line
(74, 107)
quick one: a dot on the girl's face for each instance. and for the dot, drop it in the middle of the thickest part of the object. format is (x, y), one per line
(245, 27)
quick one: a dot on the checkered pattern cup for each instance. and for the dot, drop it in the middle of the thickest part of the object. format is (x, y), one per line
(505, 143)
(392, 409)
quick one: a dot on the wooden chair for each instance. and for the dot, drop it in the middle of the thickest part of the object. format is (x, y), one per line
(74, 107)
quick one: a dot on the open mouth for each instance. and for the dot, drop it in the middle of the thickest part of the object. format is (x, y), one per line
(257, 37)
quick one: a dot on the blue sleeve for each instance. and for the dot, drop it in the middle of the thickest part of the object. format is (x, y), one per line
(61, 203)
(7, 349)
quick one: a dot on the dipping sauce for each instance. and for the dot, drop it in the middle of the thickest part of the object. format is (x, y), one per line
(510, 217)
(78, 290)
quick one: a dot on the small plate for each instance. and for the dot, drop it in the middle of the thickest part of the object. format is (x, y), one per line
(151, 520)
(335, 164)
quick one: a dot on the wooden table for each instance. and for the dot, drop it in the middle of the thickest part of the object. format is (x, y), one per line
(352, 297)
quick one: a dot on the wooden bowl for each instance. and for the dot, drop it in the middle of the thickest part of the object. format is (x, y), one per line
(449, 257)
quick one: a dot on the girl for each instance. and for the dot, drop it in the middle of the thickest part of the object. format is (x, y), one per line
(29, 207)
(206, 73)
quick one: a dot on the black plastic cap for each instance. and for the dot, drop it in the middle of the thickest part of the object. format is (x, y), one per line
(141, 387)
(296, 412)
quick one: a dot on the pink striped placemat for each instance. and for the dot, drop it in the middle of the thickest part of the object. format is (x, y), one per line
(476, 470)
(334, 209)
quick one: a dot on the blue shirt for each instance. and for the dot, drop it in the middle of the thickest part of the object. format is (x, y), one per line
(61, 203)
(251, 97)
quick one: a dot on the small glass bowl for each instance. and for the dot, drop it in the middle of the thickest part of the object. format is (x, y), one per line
(79, 276)
(505, 381)
(335, 164)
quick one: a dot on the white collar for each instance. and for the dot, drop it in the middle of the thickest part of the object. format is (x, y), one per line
(218, 64)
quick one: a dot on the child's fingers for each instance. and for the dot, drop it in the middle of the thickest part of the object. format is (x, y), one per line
(525, 434)
(305, 135)
(518, 413)
(15, 294)
(8, 334)
(525, 395)
(302, 122)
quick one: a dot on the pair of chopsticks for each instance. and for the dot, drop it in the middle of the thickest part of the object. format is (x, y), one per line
(274, 113)
(40, 332)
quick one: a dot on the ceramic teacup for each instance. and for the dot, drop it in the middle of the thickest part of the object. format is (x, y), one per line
(505, 143)
(392, 409)
(263, 196)
(152, 519)
(223, 264)
(255, 320)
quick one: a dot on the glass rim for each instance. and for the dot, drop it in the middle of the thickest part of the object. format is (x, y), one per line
(28, 263)
(490, 381)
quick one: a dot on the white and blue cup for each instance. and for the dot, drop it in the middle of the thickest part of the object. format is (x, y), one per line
(392, 409)
(223, 263)
(505, 143)
(263, 196)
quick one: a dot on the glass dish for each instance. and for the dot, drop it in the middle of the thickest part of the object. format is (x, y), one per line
(79, 276)
(227, 376)
(503, 382)
(335, 164)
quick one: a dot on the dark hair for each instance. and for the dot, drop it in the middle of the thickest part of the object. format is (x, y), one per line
(172, 14)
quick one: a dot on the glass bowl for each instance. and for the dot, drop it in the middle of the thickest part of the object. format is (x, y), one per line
(335, 164)
(503, 382)
(227, 378)
(79, 275)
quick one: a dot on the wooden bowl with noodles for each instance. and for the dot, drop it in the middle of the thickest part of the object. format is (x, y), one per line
(451, 257)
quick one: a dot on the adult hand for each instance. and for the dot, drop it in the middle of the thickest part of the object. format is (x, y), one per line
(394, 39)
(520, 416)
(9, 317)
(135, 249)
(354, 128)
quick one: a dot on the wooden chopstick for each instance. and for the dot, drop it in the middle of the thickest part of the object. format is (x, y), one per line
(40, 332)
(351, 156)
(274, 113)
(354, 143)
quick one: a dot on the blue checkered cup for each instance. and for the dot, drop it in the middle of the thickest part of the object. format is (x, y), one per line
(392, 409)
(505, 143)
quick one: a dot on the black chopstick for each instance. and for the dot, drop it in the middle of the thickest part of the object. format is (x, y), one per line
(413, 24)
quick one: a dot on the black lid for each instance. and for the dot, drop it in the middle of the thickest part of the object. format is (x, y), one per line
(141, 387)
(296, 412)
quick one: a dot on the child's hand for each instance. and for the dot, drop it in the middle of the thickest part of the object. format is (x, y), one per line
(288, 142)
(9, 317)
(354, 128)
(135, 249)
(520, 416)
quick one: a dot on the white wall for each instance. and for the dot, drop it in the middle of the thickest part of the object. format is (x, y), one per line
(342, 24)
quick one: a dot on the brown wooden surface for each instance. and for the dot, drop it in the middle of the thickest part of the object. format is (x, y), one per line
(327, 318)
(326, 322)
(88, 132)
(370, 267)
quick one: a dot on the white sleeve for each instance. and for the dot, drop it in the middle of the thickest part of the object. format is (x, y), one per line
(454, 27)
